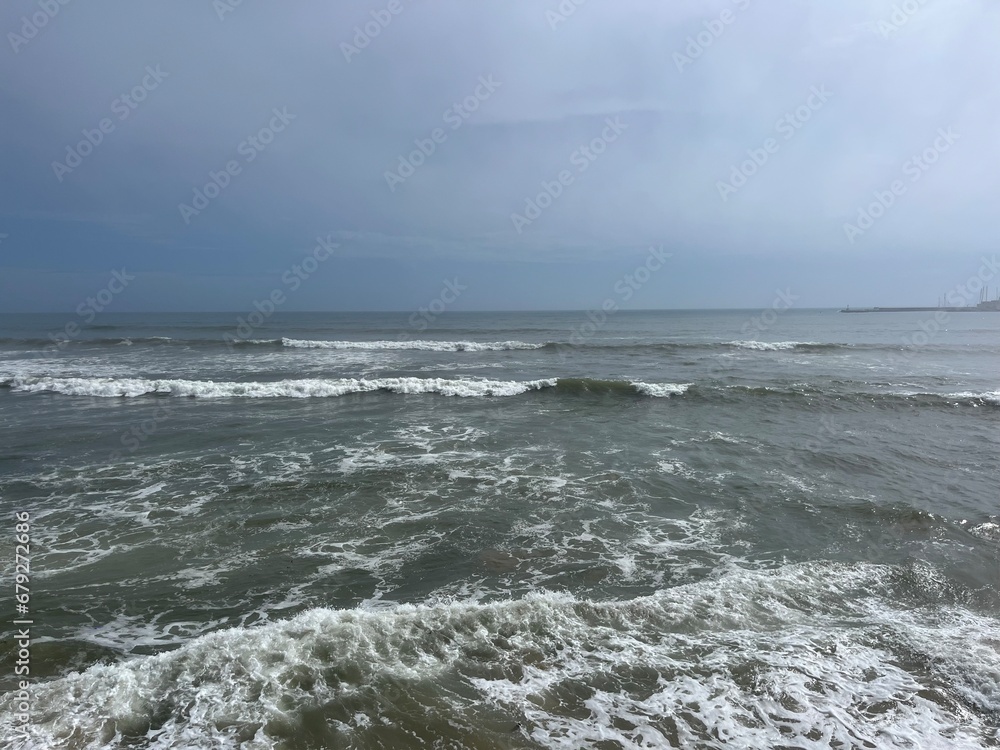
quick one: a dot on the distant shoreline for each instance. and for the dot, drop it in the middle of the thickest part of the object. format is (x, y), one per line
(918, 309)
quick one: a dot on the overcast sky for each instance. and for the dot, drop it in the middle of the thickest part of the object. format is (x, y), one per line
(643, 116)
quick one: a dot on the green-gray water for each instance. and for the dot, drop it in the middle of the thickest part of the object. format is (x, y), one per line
(343, 532)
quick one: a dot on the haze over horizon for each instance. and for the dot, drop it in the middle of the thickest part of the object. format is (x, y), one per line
(532, 153)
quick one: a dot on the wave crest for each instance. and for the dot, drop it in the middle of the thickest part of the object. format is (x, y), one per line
(113, 387)
(415, 344)
(777, 346)
(308, 388)
(108, 387)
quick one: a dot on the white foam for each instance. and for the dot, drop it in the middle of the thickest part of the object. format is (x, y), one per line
(662, 390)
(308, 388)
(812, 655)
(418, 344)
(722, 437)
(987, 530)
(69, 367)
(992, 397)
(147, 491)
(767, 346)
(110, 387)
(127, 633)
(676, 467)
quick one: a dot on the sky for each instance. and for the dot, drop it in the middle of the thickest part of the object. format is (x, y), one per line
(537, 154)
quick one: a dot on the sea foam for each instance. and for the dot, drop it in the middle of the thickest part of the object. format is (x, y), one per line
(106, 387)
(417, 344)
(808, 655)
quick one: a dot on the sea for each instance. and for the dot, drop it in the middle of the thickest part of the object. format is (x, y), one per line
(670, 529)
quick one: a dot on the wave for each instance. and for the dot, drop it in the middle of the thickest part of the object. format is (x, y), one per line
(325, 388)
(114, 387)
(777, 346)
(475, 346)
(47, 345)
(749, 659)
(620, 387)
(562, 347)
(991, 398)
(417, 344)
(886, 399)
(414, 344)
(306, 388)
(868, 398)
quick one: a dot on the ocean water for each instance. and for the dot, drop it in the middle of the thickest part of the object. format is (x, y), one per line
(666, 529)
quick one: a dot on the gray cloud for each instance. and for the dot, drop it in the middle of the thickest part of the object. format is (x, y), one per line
(893, 87)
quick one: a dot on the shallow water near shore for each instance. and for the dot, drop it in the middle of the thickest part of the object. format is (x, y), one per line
(345, 532)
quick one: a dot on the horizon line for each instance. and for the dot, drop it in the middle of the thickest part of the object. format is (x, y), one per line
(410, 310)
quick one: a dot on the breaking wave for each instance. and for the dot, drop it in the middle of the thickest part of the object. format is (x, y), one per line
(306, 388)
(434, 345)
(775, 346)
(325, 388)
(808, 655)
(421, 345)
(114, 387)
